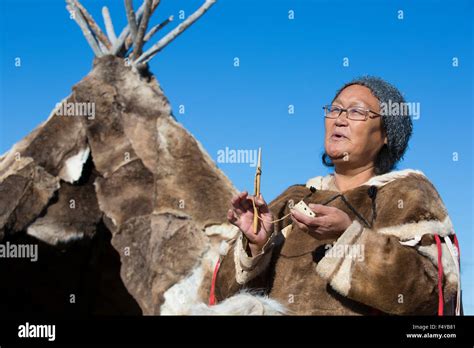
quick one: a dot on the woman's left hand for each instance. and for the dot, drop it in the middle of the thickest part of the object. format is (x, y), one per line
(329, 223)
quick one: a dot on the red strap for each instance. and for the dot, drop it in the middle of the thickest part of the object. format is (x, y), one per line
(212, 297)
(440, 276)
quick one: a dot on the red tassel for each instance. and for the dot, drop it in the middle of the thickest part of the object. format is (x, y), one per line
(212, 297)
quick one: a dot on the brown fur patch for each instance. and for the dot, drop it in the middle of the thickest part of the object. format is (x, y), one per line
(152, 267)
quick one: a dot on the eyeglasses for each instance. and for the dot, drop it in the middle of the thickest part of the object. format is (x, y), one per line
(355, 113)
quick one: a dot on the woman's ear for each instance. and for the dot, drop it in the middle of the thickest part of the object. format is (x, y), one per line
(385, 140)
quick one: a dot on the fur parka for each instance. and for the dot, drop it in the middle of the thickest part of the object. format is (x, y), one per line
(385, 262)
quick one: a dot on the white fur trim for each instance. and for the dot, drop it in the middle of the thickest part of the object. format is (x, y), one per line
(449, 267)
(411, 242)
(322, 182)
(241, 304)
(341, 282)
(246, 267)
(286, 231)
(381, 180)
(455, 257)
(414, 230)
(329, 263)
(224, 248)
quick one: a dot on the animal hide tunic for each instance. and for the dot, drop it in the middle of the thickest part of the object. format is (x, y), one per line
(386, 261)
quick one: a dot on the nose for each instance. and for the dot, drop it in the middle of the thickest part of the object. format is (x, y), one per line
(341, 121)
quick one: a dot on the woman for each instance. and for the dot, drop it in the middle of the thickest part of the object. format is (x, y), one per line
(374, 242)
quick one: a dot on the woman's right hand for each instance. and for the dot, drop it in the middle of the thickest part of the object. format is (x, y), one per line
(241, 215)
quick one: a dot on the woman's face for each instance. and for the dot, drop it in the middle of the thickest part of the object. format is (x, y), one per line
(354, 143)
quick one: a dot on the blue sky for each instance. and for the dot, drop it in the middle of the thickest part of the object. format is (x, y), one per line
(282, 62)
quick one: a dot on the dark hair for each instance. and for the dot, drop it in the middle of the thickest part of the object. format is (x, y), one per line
(398, 128)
